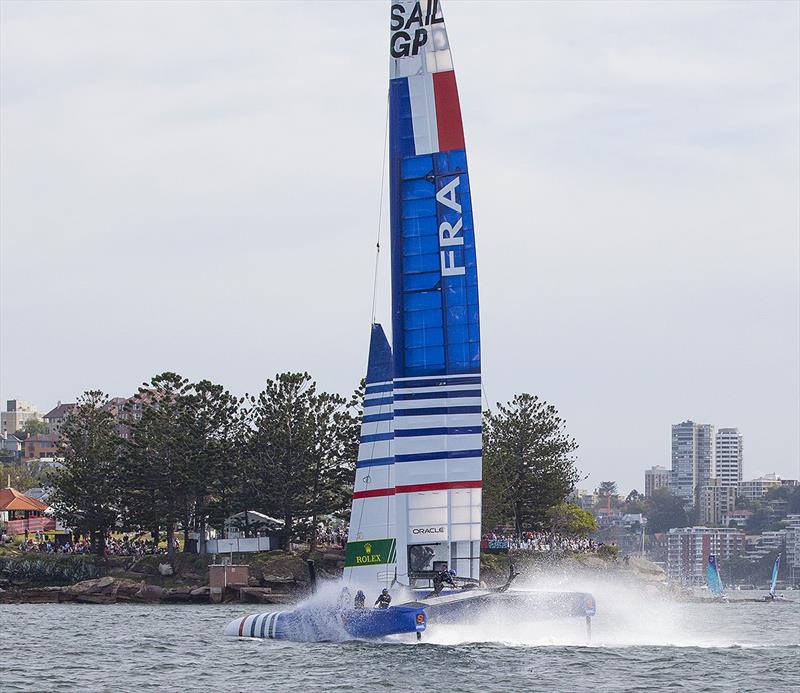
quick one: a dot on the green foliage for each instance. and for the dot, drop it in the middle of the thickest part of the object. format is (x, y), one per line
(34, 427)
(567, 518)
(43, 569)
(528, 463)
(608, 552)
(302, 450)
(665, 511)
(85, 487)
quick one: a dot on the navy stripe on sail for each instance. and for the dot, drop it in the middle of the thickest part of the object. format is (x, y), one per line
(459, 430)
(371, 389)
(433, 411)
(377, 462)
(263, 623)
(374, 437)
(444, 455)
(449, 394)
(436, 382)
(253, 627)
(387, 416)
(378, 402)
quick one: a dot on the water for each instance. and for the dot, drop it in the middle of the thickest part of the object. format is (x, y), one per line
(640, 642)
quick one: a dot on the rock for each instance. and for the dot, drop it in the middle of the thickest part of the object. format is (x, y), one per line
(178, 594)
(203, 591)
(128, 590)
(165, 569)
(259, 595)
(194, 577)
(150, 593)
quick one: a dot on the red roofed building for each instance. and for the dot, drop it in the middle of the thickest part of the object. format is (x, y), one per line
(20, 514)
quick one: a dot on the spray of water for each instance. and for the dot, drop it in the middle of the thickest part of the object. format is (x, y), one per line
(630, 613)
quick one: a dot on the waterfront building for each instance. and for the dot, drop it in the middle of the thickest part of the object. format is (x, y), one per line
(9, 443)
(688, 549)
(728, 456)
(692, 459)
(756, 489)
(793, 549)
(20, 514)
(655, 478)
(40, 445)
(715, 502)
(17, 412)
(54, 419)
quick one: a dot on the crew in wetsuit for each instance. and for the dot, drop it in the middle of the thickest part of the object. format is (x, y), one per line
(360, 599)
(442, 577)
(384, 599)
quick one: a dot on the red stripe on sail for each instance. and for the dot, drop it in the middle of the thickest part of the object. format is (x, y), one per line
(440, 486)
(241, 626)
(448, 111)
(416, 488)
(374, 493)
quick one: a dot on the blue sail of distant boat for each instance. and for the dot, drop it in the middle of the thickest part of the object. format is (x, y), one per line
(713, 577)
(775, 569)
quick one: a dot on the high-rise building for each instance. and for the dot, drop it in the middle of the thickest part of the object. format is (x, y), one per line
(692, 459)
(728, 456)
(688, 549)
(655, 478)
(17, 413)
(715, 501)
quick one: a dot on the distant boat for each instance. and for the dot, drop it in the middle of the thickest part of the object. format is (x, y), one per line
(714, 579)
(772, 597)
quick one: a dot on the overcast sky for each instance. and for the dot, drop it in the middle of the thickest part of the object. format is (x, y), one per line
(195, 187)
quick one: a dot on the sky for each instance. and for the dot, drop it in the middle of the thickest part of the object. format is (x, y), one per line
(196, 187)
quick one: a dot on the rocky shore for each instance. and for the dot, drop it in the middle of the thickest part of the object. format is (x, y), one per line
(275, 577)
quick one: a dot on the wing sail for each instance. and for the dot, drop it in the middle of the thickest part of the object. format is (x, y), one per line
(435, 316)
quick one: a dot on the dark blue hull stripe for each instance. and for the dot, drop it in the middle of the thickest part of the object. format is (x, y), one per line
(450, 394)
(446, 455)
(435, 411)
(413, 432)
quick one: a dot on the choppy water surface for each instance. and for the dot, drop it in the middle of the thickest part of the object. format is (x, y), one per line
(639, 643)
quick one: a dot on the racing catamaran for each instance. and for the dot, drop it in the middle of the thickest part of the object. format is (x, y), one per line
(416, 507)
(714, 579)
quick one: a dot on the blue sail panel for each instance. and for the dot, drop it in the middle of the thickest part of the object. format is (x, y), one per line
(775, 569)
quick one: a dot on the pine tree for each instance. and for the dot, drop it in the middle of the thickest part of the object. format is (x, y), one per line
(528, 463)
(85, 486)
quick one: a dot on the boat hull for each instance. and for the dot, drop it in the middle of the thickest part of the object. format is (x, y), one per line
(320, 625)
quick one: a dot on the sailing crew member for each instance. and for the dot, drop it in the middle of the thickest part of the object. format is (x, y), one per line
(384, 599)
(442, 577)
(360, 600)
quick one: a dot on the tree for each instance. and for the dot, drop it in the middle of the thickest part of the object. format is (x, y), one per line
(85, 486)
(528, 462)
(213, 427)
(634, 503)
(607, 490)
(665, 511)
(34, 427)
(571, 519)
(159, 481)
(303, 451)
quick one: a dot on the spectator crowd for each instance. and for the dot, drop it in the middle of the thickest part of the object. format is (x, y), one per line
(545, 542)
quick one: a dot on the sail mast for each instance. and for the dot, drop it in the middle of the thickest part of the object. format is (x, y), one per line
(435, 318)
